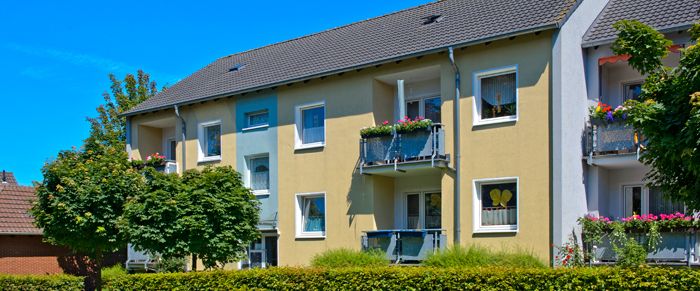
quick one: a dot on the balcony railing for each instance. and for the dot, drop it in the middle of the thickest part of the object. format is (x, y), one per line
(423, 145)
(676, 248)
(168, 167)
(611, 139)
(405, 245)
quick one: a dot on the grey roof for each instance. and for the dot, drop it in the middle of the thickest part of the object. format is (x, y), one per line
(382, 39)
(663, 15)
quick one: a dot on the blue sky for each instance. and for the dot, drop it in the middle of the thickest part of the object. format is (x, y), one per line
(55, 56)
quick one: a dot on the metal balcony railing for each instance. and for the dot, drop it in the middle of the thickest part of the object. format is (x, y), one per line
(611, 139)
(422, 145)
(676, 247)
(405, 245)
(168, 167)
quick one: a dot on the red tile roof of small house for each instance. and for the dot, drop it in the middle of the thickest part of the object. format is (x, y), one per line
(15, 202)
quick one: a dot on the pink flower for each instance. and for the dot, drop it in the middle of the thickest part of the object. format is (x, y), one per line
(385, 122)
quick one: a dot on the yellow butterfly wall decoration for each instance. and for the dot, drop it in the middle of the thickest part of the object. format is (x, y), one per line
(500, 197)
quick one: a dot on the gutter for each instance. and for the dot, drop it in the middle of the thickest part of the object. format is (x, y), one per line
(184, 138)
(357, 67)
(456, 150)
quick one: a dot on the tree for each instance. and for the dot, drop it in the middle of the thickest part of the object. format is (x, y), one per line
(82, 195)
(668, 114)
(81, 199)
(208, 213)
(109, 128)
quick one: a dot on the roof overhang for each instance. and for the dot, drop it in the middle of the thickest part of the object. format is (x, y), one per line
(610, 40)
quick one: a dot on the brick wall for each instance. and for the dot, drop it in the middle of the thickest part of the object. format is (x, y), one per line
(25, 254)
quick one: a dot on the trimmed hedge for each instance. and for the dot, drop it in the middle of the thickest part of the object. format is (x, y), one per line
(40, 282)
(417, 278)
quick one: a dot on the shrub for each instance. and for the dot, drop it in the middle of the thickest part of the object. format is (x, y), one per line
(46, 282)
(340, 258)
(112, 272)
(477, 256)
(418, 278)
(170, 265)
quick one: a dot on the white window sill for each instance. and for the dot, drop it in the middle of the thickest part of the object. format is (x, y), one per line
(255, 127)
(311, 235)
(310, 146)
(209, 159)
(261, 192)
(497, 120)
(497, 229)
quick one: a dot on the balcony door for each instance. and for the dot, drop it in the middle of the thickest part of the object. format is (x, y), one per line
(639, 200)
(423, 210)
(427, 107)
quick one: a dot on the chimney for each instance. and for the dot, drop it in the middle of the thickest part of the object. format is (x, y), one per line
(4, 177)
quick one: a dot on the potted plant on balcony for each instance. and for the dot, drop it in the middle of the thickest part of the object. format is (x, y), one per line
(603, 114)
(385, 129)
(415, 142)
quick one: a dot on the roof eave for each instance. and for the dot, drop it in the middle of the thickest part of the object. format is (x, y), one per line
(540, 28)
(610, 40)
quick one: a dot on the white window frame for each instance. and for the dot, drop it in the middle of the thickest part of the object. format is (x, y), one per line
(421, 104)
(253, 113)
(249, 180)
(478, 228)
(623, 87)
(202, 140)
(477, 95)
(298, 143)
(421, 206)
(263, 236)
(299, 220)
(169, 148)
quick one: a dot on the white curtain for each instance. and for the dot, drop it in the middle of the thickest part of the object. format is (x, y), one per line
(502, 86)
(260, 173)
(313, 125)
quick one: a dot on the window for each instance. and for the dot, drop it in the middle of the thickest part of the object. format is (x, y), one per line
(496, 96)
(310, 126)
(172, 148)
(210, 141)
(631, 91)
(423, 210)
(311, 215)
(259, 174)
(428, 108)
(496, 205)
(257, 119)
(639, 200)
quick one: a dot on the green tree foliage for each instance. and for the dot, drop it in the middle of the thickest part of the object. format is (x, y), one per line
(109, 128)
(81, 199)
(208, 213)
(83, 192)
(668, 114)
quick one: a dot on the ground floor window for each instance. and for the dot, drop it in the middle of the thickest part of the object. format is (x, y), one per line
(311, 215)
(262, 253)
(496, 205)
(423, 210)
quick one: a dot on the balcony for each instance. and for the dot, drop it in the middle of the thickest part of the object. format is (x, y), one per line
(612, 144)
(395, 154)
(676, 248)
(406, 245)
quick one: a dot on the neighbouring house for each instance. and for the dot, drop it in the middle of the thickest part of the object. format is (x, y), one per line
(22, 249)
(596, 167)
(506, 84)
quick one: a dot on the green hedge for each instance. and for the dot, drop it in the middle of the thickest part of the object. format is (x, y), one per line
(36, 282)
(413, 278)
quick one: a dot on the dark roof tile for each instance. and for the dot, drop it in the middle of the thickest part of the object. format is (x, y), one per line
(660, 14)
(368, 42)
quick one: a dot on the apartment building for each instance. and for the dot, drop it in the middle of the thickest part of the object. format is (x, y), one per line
(507, 85)
(596, 163)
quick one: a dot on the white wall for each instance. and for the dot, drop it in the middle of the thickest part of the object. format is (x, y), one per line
(569, 113)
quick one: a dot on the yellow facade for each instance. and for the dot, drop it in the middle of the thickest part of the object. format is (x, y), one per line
(356, 99)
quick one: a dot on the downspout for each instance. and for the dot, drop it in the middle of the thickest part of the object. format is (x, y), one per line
(183, 138)
(456, 150)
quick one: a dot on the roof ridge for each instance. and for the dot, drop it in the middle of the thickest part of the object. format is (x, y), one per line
(433, 2)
